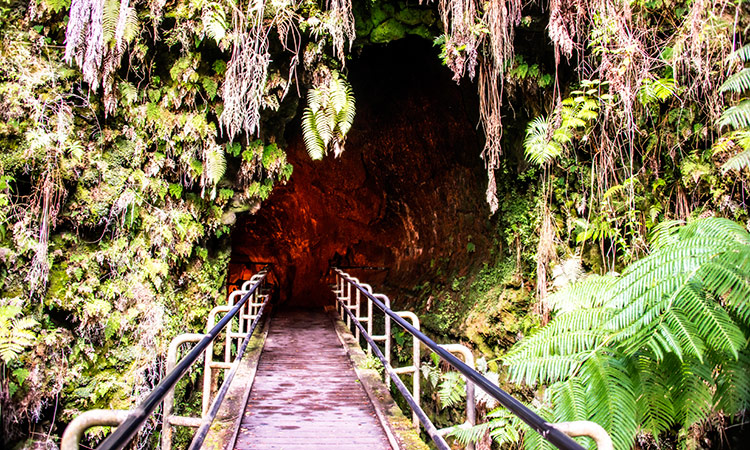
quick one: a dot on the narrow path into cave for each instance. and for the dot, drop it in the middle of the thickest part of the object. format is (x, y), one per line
(310, 402)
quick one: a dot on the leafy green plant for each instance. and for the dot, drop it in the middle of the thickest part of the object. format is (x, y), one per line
(663, 345)
(548, 137)
(328, 117)
(502, 426)
(372, 362)
(452, 389)
(15, 333)
(737, 116)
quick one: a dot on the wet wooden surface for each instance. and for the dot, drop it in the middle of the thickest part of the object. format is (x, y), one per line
(306, 393)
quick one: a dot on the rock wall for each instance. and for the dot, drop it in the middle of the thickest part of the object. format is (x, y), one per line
(406, 195)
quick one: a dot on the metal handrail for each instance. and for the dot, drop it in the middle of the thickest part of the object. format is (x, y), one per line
(416, 409)
(202, 432)
(541, 426)
(127, 430)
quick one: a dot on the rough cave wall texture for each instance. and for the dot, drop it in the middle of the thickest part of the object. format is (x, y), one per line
(407, 194)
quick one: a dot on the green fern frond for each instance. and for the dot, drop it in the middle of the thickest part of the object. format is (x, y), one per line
(586, 293)
(216, 164)
(683, 335)
(653, 91)
(739, 82)
(733, 384)
(537, 147)
(338, 93)
(690, 391)
(15, 333)
(737, 116)
(570, 400)
(611, 398)
(110, 17)
(656, 412)
(533, 370)
(713, 323)
(313, 142)
(330, 113)
(132, 25)
(738, 162)
(315, 99)
(326, 120)
(569, 333)
(452, 389)
(214, 21)
(345, 118)
(741, 54)
(467, 435)
(665, 233)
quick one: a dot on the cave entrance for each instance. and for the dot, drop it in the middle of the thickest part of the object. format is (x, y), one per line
(408, 191)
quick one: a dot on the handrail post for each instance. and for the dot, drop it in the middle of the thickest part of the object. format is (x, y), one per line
(369, 322)
(387, 333)
(471, 407)
(416, 363)
(95, 417)
(168, 405)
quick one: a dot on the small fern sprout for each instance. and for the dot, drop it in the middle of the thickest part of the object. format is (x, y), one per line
(328, 116)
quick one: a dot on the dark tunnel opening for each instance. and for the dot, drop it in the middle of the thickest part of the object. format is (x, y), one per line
(407, 193)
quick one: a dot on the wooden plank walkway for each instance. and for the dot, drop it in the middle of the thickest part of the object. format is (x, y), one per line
(306, 393)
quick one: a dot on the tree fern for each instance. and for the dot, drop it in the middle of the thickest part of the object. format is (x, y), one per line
(737, 116)
(659, 346)
(738, 82)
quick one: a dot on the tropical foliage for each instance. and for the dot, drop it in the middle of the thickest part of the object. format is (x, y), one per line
(737, 116)
(132, 133)
(663, 345)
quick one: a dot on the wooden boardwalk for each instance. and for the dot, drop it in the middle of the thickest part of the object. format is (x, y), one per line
(306, 394)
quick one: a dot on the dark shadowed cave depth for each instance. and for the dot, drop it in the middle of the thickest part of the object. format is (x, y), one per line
(406, 195)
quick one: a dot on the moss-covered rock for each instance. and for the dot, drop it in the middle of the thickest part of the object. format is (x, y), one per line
(421, 31)
(390, 30)
(409, 16)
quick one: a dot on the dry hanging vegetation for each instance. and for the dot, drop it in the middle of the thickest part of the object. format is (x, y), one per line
(474, 36)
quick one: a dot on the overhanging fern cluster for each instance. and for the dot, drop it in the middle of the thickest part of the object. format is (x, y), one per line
(328, 117)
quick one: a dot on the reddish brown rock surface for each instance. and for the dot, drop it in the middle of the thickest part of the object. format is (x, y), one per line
(407, 194)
